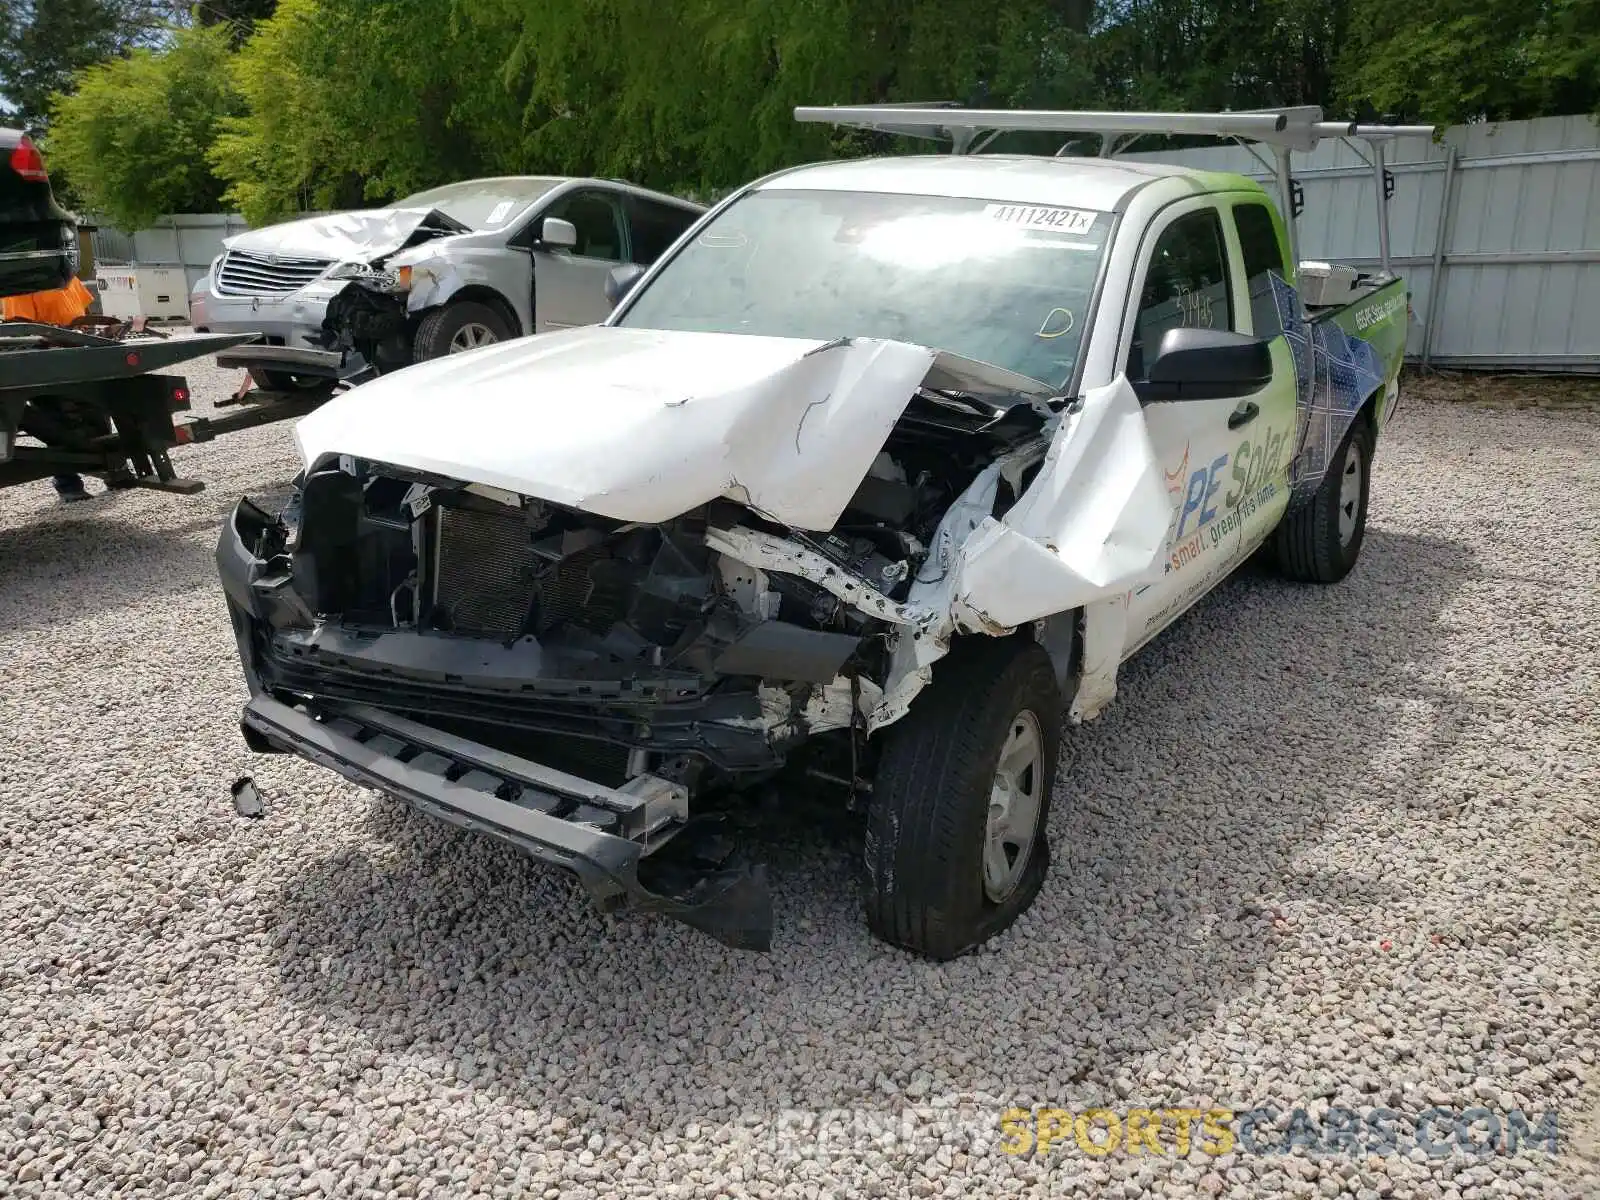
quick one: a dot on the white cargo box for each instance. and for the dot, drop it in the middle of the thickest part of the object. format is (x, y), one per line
(155, 293)
(1324, 285)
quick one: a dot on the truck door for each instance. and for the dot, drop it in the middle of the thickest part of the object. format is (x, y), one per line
(1258, 484)
(1184, 280)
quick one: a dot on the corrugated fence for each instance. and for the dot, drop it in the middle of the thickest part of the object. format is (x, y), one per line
(1505, 217)
(189, 240)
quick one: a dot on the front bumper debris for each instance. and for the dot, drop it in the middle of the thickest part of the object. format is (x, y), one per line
(601, 834)
(292, 323)
(298, 360)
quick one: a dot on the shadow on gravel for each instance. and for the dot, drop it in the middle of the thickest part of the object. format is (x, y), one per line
(52, 570)
(1238, 737)
(65, 563)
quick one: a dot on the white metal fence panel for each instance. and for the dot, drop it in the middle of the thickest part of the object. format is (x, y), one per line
(1507, 216)
(187, 240)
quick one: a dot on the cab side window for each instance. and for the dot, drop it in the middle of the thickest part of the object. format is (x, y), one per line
(1186, 284)
(1263, 256)
(655, 227)
(598, 221)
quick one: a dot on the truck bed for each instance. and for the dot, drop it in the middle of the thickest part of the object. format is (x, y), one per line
(1377, 316)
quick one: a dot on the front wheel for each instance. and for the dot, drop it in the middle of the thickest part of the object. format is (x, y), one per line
(1320, 541)
(457, 328)
(956, 847)
(269, 380)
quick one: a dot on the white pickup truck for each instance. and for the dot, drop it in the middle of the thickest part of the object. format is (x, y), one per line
(878, 473)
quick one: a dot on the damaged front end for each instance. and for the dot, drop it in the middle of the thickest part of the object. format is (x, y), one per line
(592, 689)
(368, 317)
(372, 314)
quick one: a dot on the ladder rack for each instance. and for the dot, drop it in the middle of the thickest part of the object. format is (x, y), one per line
(1286, 130)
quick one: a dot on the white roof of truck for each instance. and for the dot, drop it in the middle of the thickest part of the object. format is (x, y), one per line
(1096, 183)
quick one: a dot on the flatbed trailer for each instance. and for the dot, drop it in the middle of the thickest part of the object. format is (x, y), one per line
(95, 405)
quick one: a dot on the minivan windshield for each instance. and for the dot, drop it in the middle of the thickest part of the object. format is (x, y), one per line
(483, 204)
(1008, 284)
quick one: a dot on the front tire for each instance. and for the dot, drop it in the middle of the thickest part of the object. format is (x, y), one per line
(1320, 541)
(457, 328)
(956, 847)
(269, 380)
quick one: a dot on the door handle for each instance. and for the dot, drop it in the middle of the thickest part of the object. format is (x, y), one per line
(1244, 414)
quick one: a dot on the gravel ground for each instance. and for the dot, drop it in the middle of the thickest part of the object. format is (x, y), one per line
(1330, 848)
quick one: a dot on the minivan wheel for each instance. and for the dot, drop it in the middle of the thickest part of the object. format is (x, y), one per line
(269, 380)
(956, 845)
(457, 328)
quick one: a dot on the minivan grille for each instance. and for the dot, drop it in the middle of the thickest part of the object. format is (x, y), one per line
(246, 274)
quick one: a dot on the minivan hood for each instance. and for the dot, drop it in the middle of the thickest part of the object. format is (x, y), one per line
(359, 236)
(646, 424)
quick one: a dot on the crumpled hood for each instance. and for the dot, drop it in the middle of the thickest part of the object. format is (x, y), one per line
(646, 424)
(342, 237)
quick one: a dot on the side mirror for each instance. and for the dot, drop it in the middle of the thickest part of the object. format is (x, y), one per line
(557, 234)
(620, 281)
(1206, 364)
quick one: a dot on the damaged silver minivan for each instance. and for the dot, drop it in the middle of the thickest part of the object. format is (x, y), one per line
(869, 477)
(354, 293)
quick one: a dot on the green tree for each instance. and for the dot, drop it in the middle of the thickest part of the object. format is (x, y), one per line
(43, 43)
(350, 102)
(1463, 60)
(240, 16)
(355, 101)
(1205, 56)
(133, 135)
(275, 156)
(705, 100)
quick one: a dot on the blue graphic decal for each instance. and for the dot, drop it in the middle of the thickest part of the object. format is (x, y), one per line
(1334, 373)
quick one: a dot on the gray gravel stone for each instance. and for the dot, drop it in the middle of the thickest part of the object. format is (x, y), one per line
(1329, 849)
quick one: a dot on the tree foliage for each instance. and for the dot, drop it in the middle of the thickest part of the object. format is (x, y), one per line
(1449, 60)
(706, 99)
(345, 102)
(134, 135)
(358, 100)
(1205, 56)
(43, 43)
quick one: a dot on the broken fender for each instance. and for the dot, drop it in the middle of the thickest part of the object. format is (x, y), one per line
(1092, 524)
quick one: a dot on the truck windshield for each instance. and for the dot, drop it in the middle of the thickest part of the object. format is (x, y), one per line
(482, 204)
(1008, 284)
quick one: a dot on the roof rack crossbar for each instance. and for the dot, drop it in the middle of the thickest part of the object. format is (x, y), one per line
(1392, 131)
(931, 121)
(1284, 129)
(1296, 128)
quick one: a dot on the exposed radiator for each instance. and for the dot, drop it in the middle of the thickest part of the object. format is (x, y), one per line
(485, 573)
(488, 581)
